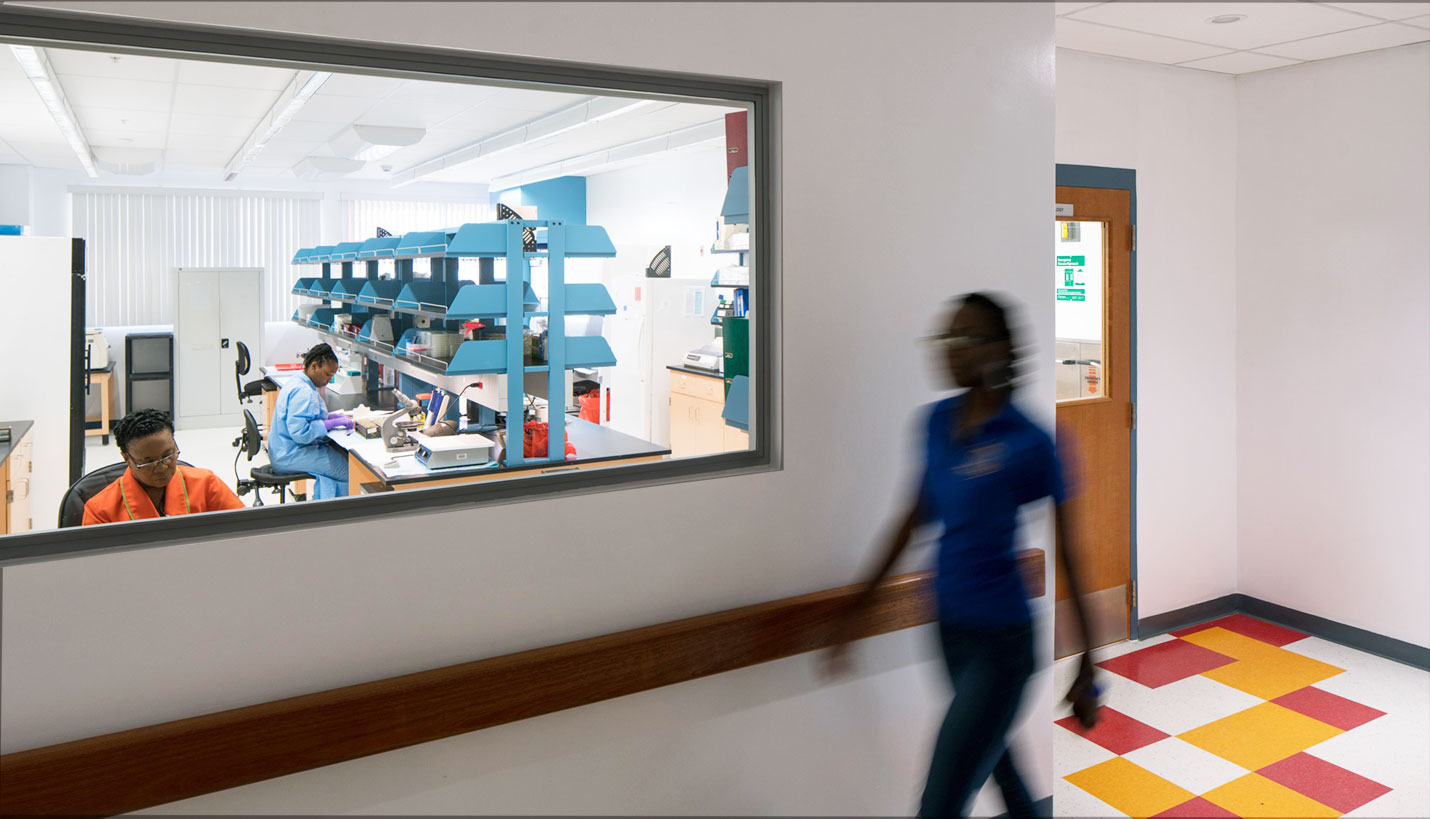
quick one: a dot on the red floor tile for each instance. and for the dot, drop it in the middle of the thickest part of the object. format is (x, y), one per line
(1331, 785)
(1328, 708)
(1165, 663)
(1198, 808)
(1249, 626)
(1116, 731)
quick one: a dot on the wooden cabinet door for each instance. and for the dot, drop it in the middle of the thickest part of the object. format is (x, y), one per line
(683, 443)
(709, 427)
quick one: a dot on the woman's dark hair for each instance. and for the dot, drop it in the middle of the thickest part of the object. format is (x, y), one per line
(319, 354)
(140, 424)
(1004, 327)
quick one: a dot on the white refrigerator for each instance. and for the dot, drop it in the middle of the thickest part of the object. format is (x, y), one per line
(657, 322)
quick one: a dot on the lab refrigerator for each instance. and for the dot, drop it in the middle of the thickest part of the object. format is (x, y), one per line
(657, 321)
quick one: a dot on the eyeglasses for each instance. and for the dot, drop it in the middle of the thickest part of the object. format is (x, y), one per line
(167, 460)
(950, 341)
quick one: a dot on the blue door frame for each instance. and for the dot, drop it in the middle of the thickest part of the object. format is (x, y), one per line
(1123, 179)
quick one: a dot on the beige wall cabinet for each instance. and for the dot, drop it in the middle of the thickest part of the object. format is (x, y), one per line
(15, 476)
(696, 427)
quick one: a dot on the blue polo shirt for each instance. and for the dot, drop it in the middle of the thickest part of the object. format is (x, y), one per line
(974, 488)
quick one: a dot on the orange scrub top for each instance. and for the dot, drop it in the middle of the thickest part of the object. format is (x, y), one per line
(191, 490)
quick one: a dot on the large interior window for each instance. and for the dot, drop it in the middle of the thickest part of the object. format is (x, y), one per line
(516, 280)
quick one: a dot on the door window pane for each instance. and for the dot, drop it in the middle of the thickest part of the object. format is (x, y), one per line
(1079, 275)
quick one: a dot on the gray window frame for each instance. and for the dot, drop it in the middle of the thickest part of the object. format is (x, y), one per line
(66, 29)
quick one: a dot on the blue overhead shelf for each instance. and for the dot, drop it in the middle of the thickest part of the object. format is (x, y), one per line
(737, 403)
(736, 209)
(345, 251)
(382, 248)
(321, 253)
(322, 317)
(303, 285)
(481, 357)
(321, 287)
(426, 296)
(346, 289)
(489, 239)
(422, 243)
(487, 301)
(379, 292)
(303, 256)
(588, 241)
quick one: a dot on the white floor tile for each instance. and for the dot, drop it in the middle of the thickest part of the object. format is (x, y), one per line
(1186, 765)
(1394, 751)
(1179, 706)
(1072, 753)
(1070, 800)
(1387, 685)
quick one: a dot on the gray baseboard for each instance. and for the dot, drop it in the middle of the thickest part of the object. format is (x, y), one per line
(1357, 638)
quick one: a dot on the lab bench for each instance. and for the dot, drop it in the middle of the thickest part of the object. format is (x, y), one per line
(371, 467)
(15, 469)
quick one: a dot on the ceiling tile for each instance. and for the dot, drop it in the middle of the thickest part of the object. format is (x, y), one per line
(208, 125)
(9, 157)
(1238, 62)
(121, 119)
(1068, 8)
(407, 113)
(221, 101)
(197, 157)
(1385, 35)
(1264, 22)
(45, 154)
(528, 100)
(284, 154)
(1387, 11)
(1130, 44)
(488, 120)
(307, 132)
(195, 72)
(325, 108)
(455, 92)
(212, 142)
(1422, 22)
(103, 92)
(125, 138)
(359, 85)
(112, 66)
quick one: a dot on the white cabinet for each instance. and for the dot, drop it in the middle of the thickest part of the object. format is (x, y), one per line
(217, 309)
(15, 475)
(696, 424)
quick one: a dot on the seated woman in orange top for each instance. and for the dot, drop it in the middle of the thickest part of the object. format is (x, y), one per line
(155, 484)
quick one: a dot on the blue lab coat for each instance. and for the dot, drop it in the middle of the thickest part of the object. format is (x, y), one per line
(298, 440)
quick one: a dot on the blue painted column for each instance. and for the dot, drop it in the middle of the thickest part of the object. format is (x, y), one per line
(556, 342)
(516, 266)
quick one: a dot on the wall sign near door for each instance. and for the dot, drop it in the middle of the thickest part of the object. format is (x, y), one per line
(1061, 209)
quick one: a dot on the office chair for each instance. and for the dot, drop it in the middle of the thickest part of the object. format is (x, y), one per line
(241, 366)
(262, 477)
(79, 493)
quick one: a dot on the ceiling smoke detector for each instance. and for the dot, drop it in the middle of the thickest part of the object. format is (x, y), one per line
(1223, 19)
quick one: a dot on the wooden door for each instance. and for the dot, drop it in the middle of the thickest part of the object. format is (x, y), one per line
(1092, 277)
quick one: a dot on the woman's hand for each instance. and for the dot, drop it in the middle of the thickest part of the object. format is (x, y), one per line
(337, 421)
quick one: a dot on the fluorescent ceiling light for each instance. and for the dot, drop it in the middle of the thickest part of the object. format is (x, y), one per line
(369, 142)
(702, 134)
(294, 97)
(37, 67)
(591, 110)
(315, 168)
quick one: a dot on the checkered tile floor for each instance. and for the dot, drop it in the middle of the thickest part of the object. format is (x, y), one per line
(1238, 717)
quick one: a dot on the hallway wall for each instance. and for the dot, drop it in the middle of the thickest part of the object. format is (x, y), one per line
(1333, 387)
(1177, 128)
(101, 644)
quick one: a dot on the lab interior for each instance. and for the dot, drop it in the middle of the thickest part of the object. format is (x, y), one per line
(491, 264)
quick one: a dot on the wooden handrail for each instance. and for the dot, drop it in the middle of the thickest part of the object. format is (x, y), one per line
(143, 767)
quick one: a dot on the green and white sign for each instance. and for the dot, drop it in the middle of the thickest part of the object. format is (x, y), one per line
(1072, 261)
(1072, 294)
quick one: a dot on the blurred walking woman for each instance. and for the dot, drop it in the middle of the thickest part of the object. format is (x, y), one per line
(983, 460)
(298, 441)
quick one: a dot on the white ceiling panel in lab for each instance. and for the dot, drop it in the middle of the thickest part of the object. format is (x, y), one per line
(112, 66)
(196, 157)
(455, 92)
(223, 101)
(8, 156)
(125, 138)
(1264, 22)
(360, 85)
(1383, 35)
(1132, 45)
(201, 125)
(136, 95)
(122, 119)
(329, 108)
(194, 72)
(1386, 11)
(409, 113)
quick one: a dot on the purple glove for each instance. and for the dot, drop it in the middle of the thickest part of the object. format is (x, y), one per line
(335, 421)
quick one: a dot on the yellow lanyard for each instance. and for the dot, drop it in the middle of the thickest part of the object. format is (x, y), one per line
(125, 496)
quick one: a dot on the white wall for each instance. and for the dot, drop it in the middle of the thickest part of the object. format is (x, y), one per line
(1334, 327)
(185, 629)
(1177, 128)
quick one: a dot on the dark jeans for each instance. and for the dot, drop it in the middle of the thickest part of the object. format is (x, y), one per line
(988, 667)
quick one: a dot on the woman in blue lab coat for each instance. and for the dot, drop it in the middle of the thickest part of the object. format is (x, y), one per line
(983, 460)
(298, 441)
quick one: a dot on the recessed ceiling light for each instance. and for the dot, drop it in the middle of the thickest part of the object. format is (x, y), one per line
(1223, 19)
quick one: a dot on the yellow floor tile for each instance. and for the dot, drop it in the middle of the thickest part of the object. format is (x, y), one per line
(1254, 795)
(1261, 669)
(1130, 788)
(1260, 735)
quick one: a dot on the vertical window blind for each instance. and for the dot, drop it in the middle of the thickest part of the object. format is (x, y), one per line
(135, 240)
(362, 217)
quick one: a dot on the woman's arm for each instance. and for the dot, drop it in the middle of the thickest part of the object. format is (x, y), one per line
(305, 417)
(837, 659)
